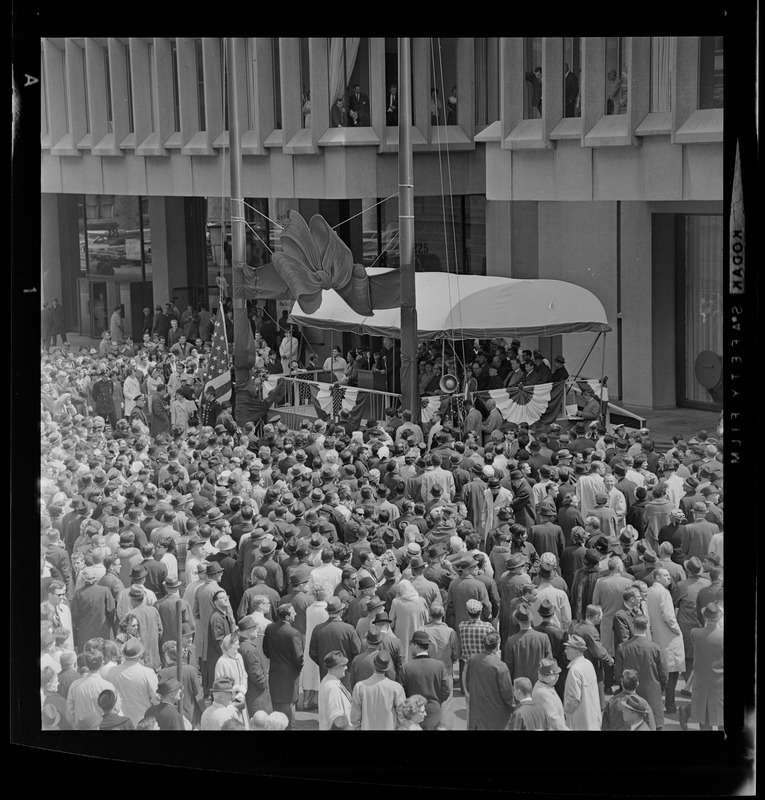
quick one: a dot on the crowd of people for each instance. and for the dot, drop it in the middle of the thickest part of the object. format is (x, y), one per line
(200, 573)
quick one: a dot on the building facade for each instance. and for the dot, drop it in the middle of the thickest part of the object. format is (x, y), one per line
(597, 161)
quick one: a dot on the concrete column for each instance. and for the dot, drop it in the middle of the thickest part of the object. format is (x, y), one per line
(168, 250)
(512, 245)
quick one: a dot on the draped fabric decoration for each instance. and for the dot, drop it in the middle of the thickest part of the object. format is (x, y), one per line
(314, 259)
(274, 391)
(430, 405)
(270, 383)
(321, 394)
(341, 59)
(354, 402)
(662, 62)
(529, 404)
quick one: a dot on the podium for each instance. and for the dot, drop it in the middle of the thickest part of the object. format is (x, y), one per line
(372, 379)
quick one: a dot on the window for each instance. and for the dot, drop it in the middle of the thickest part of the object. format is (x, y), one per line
(348, 71)
(662, 65)
(129, 79)
(258, 245)
(115, 236)
(305, 82)
(617, 85)
(449, 236)
(200, 86)
(443, 81)
(108, 85)
(486, 80)
(176, 98)
(711, 72)
(701, 306)
(572, 76)
(277, 83)
(532, 73)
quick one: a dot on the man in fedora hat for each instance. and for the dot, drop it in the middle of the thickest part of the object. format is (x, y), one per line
(334, 697)
(231, 578)
(377, 701)
(462, 589)
(613, 718)
(622, 627)
(362, 667)
(583, 584)
(257, 696)
(170, 690)
(283, 646)
(581, 700)
(334, 634)
(427, 677)
(525, 649)
(648, 561)
(135, 682)
(644, 656)
(202, 609)
(635, 713)
(167, 607)
(375, 605)
(222, 708)
(684, 597)
(149, 625)
(357, 608)
(92, 609)
(706, 705)
(547, 696)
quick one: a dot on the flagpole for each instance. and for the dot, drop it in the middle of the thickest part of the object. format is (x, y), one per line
(242, 356)
(409, 393)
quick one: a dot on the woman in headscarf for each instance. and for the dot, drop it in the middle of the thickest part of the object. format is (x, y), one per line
(231, 665)
(408, 613)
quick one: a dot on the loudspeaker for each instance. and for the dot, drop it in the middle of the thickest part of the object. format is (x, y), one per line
(448, 383)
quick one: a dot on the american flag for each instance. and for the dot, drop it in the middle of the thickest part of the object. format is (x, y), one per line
(218, 372)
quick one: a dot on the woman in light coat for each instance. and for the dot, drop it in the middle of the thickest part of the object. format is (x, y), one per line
(315, 614)
(131, 388)
(581, 699)
(231, 665)
(665, 630)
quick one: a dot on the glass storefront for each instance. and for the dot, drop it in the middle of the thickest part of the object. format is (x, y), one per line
(701, 317)
(449, 236)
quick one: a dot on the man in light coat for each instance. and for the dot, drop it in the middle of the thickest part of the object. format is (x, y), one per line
(581, 699)
(376, 702)
(666, 633)
(334, 698)
(609, 595)
(545, 694)
(707, 694)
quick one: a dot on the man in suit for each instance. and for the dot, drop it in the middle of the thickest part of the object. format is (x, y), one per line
(462, 589)
(338, 116)
(391, 110)
(534, 77)
(358, 106)
(489, 688)
(334, 634)
(698, 534)
(571, 91)
(622, 627)
(428, 677)
(707, 695)
(283, 646)
(524, 650)
(557, 636)
(642, 655)
(587, 629)
(257, 696)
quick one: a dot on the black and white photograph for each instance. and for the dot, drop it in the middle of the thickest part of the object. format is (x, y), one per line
(388, 383)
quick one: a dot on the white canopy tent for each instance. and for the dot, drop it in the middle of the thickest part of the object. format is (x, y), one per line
(471, 307)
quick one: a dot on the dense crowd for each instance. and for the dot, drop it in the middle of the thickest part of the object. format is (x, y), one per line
(197, 573)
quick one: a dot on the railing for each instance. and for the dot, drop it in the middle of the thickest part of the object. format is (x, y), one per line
(298, 401)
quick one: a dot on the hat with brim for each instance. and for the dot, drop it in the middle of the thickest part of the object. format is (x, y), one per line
(693, 565)
(420, 638)
(514, 561)
(713, 558)
(548, 666)
(381, 660)
(137, 591)
(247, 623)
(576, 642)
(522, 613)
(334, 605)
(133, 648)
(636, 704)
(374, 604)
(225, 543)
(546, 609)
(168, 685)
(213, 568)
(334, 659)
(649, 557)
(712, 611)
